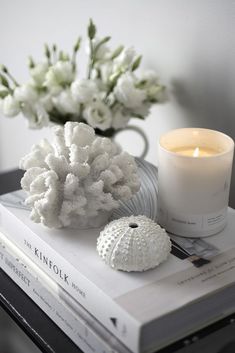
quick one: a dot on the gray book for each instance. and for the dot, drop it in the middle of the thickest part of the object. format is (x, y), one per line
(80, 326)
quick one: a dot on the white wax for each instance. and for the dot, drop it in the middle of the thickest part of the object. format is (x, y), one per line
(194, 185)
(196, 151)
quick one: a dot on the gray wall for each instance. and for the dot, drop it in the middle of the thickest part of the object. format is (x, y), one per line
(191, 43)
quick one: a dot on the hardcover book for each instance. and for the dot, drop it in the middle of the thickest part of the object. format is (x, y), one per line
(81, 327)
(146, 311)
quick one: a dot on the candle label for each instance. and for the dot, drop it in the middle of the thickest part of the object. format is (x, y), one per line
(195, 225)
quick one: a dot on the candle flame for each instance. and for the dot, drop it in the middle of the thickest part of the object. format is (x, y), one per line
(196, 152)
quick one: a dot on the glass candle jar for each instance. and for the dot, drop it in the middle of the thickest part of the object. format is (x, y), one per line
(194, 179)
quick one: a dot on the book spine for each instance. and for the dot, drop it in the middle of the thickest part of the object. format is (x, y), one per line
(102, 307)
(82, 330)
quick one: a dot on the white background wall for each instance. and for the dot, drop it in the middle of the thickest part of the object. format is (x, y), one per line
(191, 43)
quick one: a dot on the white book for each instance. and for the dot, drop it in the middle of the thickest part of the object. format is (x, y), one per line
(83, 329)
(146, 311)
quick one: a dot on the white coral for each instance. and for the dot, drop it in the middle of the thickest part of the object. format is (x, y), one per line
(76, 178)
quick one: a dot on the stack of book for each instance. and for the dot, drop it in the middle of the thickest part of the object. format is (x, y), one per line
(103, 310)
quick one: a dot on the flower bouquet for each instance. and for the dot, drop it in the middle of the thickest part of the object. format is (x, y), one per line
(106, 99)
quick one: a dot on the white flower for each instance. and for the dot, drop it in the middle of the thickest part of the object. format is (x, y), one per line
(106, 71)
(84, 90)
(149, 78)
(65, 103)
(10, 106)
(26, 93)
(59, 74)
(120, 120)
(38, 73)
(46, 101)
(98, 115)
(107, 96)
(125, 59)
(156, 93)
(126, 92)
(42, 117)
(36, 115)
(150, 83)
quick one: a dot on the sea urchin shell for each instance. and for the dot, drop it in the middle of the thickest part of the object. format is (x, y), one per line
(133, 243)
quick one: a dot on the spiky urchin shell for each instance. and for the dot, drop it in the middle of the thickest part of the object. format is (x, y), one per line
(133, 243)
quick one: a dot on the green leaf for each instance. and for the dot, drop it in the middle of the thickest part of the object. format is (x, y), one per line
(4, 81)
(3, 94)
(137, 116)
(31, 63)
(47, 51)
(91, 30)
(141, 84)
(3, 68)
(77, 45)
(103, 41)
(63, 56)
(117, 52)
(152, 100)
(136, 63)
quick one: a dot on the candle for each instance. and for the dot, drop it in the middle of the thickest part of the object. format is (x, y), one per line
(194, 178)
(195, 151)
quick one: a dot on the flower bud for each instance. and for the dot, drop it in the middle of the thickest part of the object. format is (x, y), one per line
(91, 30)
(10, 106)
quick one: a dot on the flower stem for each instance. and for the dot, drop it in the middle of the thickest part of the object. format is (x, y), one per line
(75, 50)
(91, 59)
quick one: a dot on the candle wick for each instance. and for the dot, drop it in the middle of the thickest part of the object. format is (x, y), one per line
(196, 152)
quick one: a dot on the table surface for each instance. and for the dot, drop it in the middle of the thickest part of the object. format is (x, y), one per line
(217, 338)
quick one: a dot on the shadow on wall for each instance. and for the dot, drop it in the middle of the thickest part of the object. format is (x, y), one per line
(208, 103)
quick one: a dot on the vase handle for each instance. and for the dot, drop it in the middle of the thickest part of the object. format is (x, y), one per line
(141, 133)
